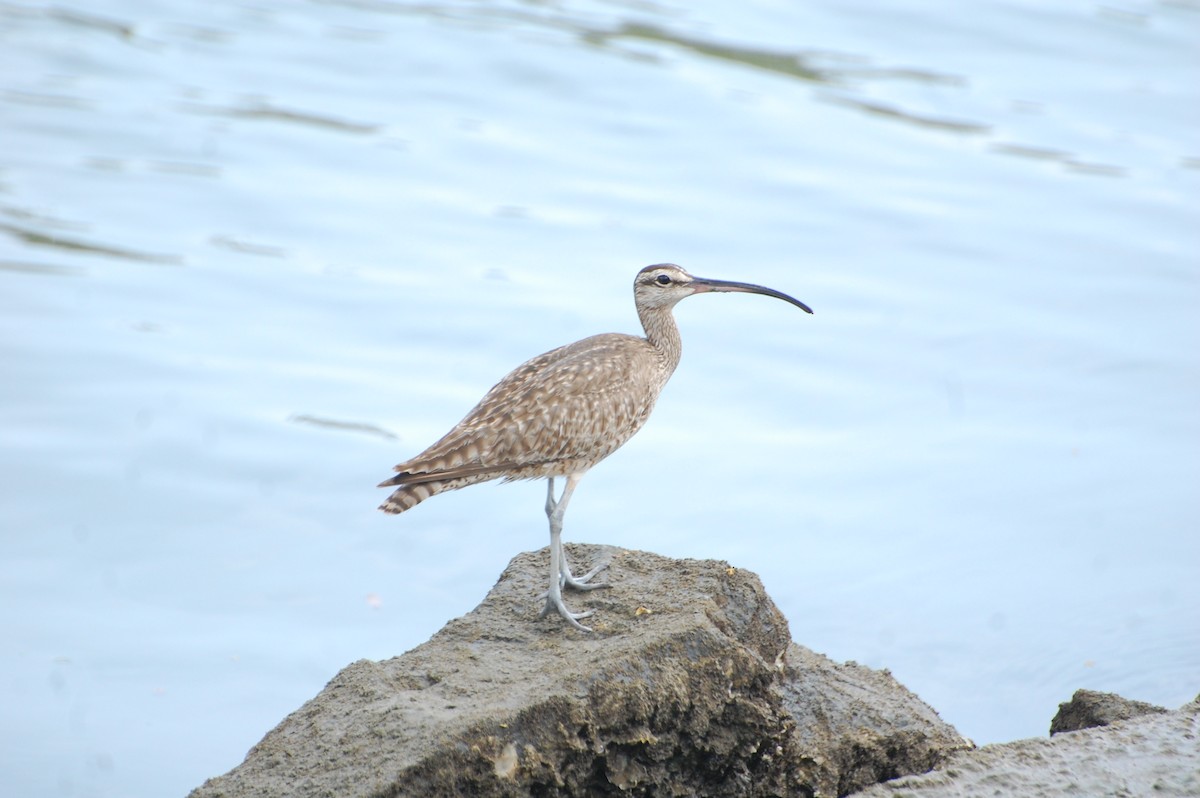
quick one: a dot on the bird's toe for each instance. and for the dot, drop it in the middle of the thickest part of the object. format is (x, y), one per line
(556, 604)
(583, 582)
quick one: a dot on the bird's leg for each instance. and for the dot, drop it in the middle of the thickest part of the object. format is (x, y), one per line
(566, 578)
(550, 503)
(554, 599)
(556, 565)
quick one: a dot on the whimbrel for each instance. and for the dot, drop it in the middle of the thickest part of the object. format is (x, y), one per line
(562, 412)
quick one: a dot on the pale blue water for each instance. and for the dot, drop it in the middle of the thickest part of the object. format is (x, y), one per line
(224, 225)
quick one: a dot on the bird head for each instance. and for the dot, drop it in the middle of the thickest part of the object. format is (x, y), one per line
(664, 284)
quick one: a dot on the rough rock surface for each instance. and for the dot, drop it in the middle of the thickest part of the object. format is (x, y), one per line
(1149, 755)
(1088, 709)
(690, 686)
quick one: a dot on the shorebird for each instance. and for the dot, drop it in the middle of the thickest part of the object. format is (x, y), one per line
(562, 412)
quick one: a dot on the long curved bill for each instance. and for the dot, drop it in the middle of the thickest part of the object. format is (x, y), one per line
(703, 285)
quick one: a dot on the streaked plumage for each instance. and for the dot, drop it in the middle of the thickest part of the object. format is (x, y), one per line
(559, 413)
(562, 412)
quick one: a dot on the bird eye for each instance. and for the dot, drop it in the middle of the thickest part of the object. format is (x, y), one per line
(663, 279)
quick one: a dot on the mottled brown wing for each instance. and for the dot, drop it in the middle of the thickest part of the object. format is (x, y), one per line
(578, 403)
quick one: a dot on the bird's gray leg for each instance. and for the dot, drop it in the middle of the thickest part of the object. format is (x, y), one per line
(551, 506)
(554, 599)
(550, 503)
(566, 578)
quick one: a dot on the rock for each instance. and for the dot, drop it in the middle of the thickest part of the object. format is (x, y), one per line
(690, 686)
(1153, 754)
(861, 725)
(1088, 709)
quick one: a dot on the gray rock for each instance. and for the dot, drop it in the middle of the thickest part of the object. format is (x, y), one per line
(1088, 709)
(861, 725)
(1150, 755)
(690, 686)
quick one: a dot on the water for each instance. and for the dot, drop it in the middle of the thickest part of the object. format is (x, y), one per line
(253, 254)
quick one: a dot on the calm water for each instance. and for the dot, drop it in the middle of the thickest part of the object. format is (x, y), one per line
(253, 254)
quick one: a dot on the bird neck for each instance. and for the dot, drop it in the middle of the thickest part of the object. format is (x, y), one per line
(663, 335)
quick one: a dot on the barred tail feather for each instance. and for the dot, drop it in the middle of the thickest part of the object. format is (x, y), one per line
(407, 497)
(416, 488)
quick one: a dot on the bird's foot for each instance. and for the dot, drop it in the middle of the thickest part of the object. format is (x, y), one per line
(555, 603)
(583, 582)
